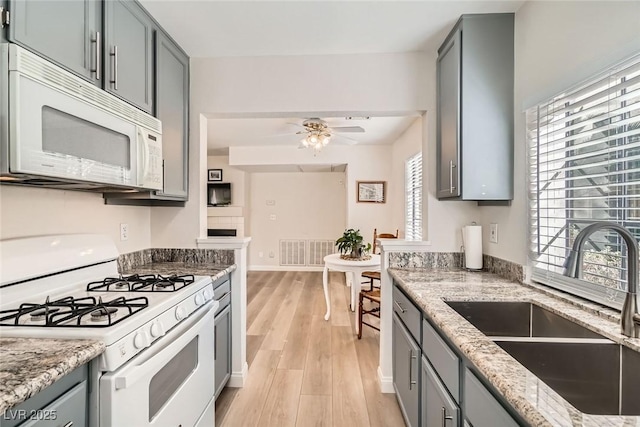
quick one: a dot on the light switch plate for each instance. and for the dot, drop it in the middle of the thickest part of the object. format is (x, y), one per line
(493, 233)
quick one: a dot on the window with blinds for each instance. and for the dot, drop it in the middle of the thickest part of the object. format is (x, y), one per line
(413, 185)
(584, 166)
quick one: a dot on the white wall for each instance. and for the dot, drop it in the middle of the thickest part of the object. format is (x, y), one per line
(28, 211)
(307, 206)
(364, 163)
(558, 44)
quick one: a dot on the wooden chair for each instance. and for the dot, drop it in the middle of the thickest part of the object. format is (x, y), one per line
(375, 275)
(372, 295)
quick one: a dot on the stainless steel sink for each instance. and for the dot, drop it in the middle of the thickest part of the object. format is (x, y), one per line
(593, 373)
(518, 319)
(597, 378)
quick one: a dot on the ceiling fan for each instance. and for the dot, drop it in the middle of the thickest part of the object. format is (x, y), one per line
(317, 133)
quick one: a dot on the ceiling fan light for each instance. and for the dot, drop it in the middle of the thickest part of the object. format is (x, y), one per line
(313, 138)
(304, 142)
(325, 139)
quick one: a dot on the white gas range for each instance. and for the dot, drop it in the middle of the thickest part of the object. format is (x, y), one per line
(158, 366)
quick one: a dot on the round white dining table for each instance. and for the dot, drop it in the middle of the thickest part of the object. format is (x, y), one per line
(355, 268)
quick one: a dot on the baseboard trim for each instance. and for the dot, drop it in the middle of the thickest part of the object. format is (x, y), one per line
(238, 379)
(385, 383)
(283, 268)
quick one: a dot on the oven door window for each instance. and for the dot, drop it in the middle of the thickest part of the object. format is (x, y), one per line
(168, 380)
(66, 134)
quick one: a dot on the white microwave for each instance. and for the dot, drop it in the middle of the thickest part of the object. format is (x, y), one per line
(59, 131)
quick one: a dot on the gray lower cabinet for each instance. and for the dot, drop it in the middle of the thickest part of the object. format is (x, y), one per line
(438, 408)
(66, 32)
(474, 124)
(64, 403)
(172, 108)
(128, 43)
(406, 372)
(481, 408)
(222, 349)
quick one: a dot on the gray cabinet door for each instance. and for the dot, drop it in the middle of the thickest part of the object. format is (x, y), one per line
(481, 408)
(129, 53)
(448, 124)
(406, 372)
(438, 408)
(222, 349)
(66, 32)
(172, 107)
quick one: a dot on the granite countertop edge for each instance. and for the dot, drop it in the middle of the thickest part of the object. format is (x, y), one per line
(536, 402)
(29, 365)
(197, 269)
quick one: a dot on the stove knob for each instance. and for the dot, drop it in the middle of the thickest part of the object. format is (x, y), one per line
(208, 294)
(199, 299)
(157, 329)
(141, 340)
(180, 313)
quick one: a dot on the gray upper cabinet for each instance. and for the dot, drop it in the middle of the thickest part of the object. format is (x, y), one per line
(66, 32)
(475, 109)
(172, 108)
(128, 44)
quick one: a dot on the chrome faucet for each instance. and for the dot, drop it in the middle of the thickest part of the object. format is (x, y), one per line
(629, 318)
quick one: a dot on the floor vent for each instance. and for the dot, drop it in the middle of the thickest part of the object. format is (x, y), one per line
(292, 252)
(318, 249)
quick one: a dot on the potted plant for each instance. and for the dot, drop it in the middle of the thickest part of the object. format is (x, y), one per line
(351, 243)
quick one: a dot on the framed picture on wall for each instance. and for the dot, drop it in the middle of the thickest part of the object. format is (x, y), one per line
(371, 191)
(215, 175)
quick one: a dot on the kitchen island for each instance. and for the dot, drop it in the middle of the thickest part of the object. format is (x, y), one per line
(532, 399)
(29, 365)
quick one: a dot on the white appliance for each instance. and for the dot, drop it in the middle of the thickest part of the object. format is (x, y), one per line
(158, 367)
(57, 130)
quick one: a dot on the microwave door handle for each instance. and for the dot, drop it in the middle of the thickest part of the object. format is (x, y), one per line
(143, 150)
(177, 339)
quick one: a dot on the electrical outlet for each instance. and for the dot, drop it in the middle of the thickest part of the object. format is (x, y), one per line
(271, 202)
(272, 254)
(261, 254)
(272, 217)
(124, 231)
(493, 233)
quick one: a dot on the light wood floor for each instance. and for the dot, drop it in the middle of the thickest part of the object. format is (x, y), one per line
(303, 370)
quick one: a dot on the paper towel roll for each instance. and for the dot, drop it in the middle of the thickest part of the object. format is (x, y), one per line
(472, 241)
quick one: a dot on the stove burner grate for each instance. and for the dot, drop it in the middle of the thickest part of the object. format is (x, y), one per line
(142, 283)
(70, 312)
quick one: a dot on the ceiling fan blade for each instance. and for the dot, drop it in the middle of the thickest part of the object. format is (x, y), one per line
(296, 124)
(345, 129)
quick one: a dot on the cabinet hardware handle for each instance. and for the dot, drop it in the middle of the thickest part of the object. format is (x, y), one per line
(451, 186)
(445, 417)
(223, 296)
(411, 359)
(402, 310)
(215, 343)
(69, 424)
(114, 56)
(97, 69)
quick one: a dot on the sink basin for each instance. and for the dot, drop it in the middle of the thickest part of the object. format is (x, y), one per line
(593, 373)
(587, 374)
(518, 319)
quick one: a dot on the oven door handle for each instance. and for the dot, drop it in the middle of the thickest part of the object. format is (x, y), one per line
(177, 338)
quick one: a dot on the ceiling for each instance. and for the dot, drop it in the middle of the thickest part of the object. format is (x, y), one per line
(223, 133)
(208, 28)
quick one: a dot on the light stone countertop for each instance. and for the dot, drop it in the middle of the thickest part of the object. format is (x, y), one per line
(168, 268)
(536, 402)
(29, 365)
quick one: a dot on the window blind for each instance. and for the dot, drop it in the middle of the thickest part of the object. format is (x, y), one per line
(413, 185)
(584, 166)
